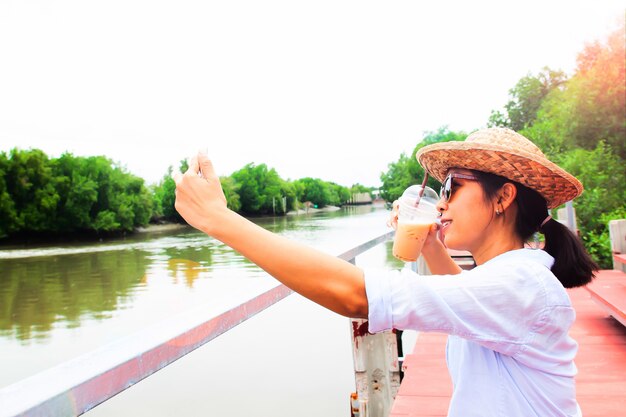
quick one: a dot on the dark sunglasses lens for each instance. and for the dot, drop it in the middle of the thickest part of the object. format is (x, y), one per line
(446, 188)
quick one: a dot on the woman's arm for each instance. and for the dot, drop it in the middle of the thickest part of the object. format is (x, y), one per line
(324, 279)
(437, 257)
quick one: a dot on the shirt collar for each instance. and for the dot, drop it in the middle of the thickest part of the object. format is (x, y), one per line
(526, 254)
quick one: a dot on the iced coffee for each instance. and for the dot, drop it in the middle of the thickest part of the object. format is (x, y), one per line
(416, 215)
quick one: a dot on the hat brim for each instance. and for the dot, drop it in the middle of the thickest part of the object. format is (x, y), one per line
(536, 172)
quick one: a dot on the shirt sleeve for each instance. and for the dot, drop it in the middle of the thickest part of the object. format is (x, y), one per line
(497, 309)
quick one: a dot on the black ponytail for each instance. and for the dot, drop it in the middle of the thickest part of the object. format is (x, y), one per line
(572, 264)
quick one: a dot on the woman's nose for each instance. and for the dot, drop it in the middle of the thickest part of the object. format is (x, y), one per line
(442, 205)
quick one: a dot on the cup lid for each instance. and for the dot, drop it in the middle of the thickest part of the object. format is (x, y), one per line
(412, 195)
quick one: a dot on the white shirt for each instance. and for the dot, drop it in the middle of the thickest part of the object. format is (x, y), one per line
(509, 353)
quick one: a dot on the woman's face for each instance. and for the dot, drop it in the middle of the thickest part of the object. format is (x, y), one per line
(467, 216)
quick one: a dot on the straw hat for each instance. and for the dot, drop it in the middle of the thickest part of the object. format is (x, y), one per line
(506, 153)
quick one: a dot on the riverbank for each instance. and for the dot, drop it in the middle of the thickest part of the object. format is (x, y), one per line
(152, 228)
(162, 227)
(312, 210)
(42, 239)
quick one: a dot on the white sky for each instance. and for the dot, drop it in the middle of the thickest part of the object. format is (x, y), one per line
(329, 89)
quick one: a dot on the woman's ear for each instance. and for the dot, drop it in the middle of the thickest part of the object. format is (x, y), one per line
(506, 195)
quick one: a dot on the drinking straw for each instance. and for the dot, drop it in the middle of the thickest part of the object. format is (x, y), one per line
(419, 196)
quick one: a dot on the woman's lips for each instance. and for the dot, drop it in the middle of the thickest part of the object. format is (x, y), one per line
(445, 223)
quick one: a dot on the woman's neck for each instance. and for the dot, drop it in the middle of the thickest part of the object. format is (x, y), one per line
(500, 238)
(493, 249)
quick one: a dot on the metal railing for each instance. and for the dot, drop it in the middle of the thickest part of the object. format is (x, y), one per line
(76, 386)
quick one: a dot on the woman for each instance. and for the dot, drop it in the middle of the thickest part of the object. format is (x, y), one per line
(509, 353)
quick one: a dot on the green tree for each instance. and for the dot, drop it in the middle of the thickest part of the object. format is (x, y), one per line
(591, 106)
(101, 196)
(399, 176)
(406, 171)
(601, 94)
(260, 189)
(165, 194)
(249, 190)
(314, 190)
(78, 193)
(8, 213)
(360, 188)
(298, 188)
(289, 192)
(339, 194)
(71, 194)
(581, 124)
(526, 98)
(231, 192)
(602, 173)
(128, 199)
(29, 182)
(164, 197)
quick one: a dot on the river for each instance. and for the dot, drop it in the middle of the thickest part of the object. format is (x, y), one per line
(293, 359)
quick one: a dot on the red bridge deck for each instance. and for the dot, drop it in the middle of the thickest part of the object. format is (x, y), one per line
(601, 361)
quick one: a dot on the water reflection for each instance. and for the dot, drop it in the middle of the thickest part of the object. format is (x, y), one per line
(37, 292)
(390, 260)
(185, 264)
(47, 288)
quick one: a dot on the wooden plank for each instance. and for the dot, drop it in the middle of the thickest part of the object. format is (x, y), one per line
(608, 289)
(620, 257)
(426, 388)
(601, 359)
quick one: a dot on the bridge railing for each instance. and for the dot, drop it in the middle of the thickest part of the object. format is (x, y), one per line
(76, 386)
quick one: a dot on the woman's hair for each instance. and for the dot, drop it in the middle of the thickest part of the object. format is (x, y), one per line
(572, 264)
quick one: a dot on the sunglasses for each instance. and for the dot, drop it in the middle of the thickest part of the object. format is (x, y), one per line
(446, 185)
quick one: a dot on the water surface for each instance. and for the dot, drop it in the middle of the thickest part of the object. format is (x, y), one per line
(59, 302)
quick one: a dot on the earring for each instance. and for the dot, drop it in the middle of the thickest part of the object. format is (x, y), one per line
(498, 212)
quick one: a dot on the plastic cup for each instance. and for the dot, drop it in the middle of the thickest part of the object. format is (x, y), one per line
(414, 222)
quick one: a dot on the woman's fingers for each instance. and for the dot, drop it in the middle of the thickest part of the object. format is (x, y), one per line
(205, 165)
(194, 167)
(199, 165)
(393, 216)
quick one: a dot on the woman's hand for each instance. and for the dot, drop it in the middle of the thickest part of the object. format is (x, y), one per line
(392, 221)
(436, 255)
(199, 194)
(433, 239)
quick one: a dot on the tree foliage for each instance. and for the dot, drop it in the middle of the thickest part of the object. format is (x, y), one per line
(601, 94)
(406, 171)
(164, 196)
(39, 195)
(526, 98)
(580, 123)
(231, 192)
(321, 193)
(602, 173)
(256, 190)
(260, 189)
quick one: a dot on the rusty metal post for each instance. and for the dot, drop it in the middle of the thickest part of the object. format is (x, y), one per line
(376, 368)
